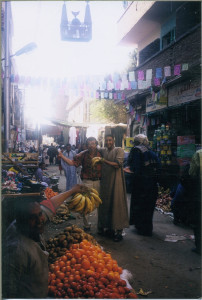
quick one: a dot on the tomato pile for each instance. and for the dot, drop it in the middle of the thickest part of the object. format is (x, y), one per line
(86, 271)
(50, 193)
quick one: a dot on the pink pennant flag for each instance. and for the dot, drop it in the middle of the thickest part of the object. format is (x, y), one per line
(141, 75)
(156, 81)
(129, 85)
(118, 85)
(177, 69)
(115, 96)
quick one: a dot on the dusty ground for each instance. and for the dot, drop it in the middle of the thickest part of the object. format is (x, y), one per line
(169, 269)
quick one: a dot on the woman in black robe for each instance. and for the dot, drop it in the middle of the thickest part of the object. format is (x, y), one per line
(144, 165)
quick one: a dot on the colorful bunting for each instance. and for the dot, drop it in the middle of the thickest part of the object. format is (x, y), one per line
(132, 76)
(156, 81)
(177, 69)
(140, 75)
(158, 73)
(149, 74)
(185, 67)
(167, 71)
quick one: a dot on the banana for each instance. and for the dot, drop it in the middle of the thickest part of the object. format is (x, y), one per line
(87, 206)
(75, 202)
(93, 201)
(94, 191)
(95, 160)
(97, 198)
(96, 203)
(80, 206)
(78, 195)
(90, 204)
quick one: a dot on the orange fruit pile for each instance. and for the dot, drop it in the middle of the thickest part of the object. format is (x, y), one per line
(86, 271)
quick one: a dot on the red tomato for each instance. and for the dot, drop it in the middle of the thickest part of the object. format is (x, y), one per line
(91, 279)
(127, 290)
(121, 290)
(64, 258)
(60, 275)
(95, 289)
(57, 268)
(53, 282)
(122, 282)
(61, 264)
(98, 295)
(91, 293)
(60, 285)
(51, 289)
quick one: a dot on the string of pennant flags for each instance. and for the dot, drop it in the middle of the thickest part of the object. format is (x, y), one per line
(100, 87)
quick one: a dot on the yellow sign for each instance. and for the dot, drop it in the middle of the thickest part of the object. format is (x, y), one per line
(130, 142)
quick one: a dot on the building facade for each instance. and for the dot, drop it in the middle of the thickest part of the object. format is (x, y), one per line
(168, 38)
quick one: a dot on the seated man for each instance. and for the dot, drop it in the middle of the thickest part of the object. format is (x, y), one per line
(24, 256)
(40, 174)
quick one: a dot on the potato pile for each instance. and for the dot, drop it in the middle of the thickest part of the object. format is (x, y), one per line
(164, 199)
(62, 214)
(58, 245)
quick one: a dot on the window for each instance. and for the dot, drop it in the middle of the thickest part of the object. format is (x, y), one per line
(168, 38)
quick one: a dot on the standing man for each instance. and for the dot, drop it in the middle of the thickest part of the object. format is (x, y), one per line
(24, 255)
(52, 152)
(113, 213)
(70, 171)
(90, 175)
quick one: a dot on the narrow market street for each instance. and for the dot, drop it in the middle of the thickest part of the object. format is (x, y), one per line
(164, 269)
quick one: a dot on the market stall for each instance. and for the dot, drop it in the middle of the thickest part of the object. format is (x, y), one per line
(78, 266)
(26, 163)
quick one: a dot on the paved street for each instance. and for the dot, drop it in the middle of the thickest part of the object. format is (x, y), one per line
(170, 270)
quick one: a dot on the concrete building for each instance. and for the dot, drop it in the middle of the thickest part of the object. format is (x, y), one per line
(168, 38)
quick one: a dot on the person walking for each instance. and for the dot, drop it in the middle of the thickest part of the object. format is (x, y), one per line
(90, 176)
(113, 213)
(144, 165)
(52, 152)
(70, 171)
(45, 156)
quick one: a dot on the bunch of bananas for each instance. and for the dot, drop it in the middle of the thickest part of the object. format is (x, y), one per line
(85, 203)
(96, 159)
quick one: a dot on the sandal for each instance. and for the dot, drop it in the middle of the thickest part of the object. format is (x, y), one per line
(101, 231)
(118, 237)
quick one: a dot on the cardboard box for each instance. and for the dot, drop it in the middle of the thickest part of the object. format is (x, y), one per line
(185, 139)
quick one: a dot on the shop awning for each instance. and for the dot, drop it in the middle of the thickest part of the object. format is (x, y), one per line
(68, 124)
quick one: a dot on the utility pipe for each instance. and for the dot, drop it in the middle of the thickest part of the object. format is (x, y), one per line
(7, 80)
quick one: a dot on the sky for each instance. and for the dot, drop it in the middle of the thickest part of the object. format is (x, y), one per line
(39, 22)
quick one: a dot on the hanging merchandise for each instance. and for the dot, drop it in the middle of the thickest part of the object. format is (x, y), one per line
(72, 135)
(164, 140)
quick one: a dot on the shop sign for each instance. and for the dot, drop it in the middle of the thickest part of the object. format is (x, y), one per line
(184, 92)
(157, 101)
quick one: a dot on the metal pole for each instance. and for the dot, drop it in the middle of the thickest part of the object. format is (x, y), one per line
(7, 81)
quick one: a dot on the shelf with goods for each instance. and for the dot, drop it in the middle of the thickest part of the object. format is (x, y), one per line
(24, 162)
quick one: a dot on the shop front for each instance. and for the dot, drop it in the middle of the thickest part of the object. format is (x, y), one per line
(173, 124)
